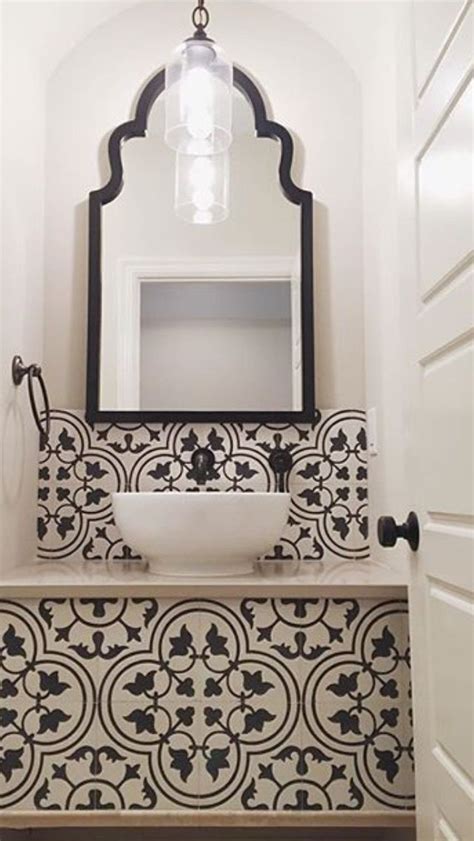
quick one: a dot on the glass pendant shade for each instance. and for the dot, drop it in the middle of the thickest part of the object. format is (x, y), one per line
(199, 81)
(202, 188)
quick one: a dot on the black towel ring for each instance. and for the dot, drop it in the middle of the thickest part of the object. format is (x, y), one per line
(33, 372)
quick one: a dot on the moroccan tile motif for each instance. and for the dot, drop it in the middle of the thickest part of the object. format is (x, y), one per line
(80, 467)
(253, 704)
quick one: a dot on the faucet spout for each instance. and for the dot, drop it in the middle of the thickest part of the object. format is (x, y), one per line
(202, 461)
(281, 462)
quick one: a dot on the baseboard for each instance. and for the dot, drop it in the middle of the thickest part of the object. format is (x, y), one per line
(207, 820)
(189, 834)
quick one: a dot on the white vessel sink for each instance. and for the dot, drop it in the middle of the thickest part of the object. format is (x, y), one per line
(201, 534)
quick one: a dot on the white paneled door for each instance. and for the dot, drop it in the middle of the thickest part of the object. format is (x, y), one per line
(437, 281)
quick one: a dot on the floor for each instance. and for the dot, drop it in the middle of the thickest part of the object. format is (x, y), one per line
(208, 835)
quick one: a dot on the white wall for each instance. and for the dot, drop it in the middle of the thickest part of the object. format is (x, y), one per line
(34, 36)
(383, 350)
(310, 89)
(21, 304)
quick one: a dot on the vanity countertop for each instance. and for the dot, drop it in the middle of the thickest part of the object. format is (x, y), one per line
(125, 578)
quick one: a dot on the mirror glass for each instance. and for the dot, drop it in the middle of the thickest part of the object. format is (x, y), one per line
(200, 317)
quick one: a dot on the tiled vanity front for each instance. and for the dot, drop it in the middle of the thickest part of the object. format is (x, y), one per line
(235, 704)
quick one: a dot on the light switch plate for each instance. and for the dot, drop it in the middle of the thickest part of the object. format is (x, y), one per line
(372, 445)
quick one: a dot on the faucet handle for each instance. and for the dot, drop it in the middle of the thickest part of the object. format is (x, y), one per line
(281, 461)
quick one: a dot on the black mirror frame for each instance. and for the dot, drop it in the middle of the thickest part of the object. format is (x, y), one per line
(98, 198)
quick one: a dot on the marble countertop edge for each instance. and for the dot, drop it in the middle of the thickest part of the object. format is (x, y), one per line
(127, 578)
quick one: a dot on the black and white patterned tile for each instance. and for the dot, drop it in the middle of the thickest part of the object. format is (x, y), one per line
(47, 704)
(245, 704)
(80, 467)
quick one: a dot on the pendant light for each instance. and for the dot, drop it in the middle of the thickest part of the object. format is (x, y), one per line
(202, 188)
(198, 86)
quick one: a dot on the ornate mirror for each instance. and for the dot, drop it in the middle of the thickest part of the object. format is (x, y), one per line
(200, 322)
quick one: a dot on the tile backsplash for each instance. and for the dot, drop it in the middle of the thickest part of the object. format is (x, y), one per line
(81, 466)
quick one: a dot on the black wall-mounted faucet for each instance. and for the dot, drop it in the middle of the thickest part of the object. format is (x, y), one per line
(281, 462)
(203, 461)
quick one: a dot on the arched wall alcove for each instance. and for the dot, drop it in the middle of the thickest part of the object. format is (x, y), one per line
(310, 89)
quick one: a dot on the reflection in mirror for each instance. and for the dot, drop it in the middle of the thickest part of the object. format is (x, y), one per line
(200, 317)
(217, 342)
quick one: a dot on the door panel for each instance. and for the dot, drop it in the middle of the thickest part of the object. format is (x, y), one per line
(448, 78)
(445, 832)
(444, 540)
(447, 420)
(439, 331)
(447, 320)
(445, 194)
(453, 793)
(433, 22)
(451, 621)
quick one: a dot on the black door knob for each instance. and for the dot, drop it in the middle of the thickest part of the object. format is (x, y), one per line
(388, 531)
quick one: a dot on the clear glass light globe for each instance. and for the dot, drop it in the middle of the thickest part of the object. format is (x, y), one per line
(202, 188)
(198, 90)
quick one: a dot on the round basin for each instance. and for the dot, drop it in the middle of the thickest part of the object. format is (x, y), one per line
(201, 534)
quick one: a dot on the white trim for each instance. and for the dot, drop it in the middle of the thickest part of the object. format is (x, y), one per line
(197, 268)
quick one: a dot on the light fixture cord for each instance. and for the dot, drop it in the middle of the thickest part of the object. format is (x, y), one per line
(200, 17)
